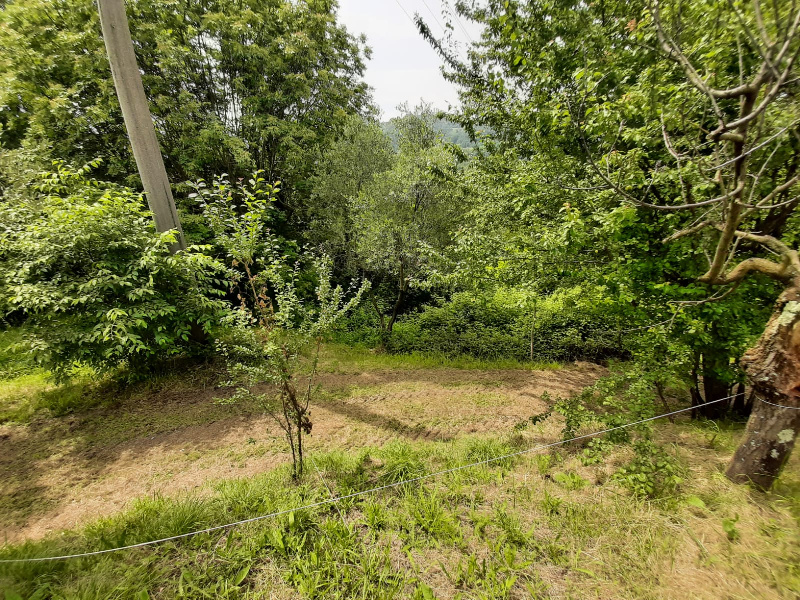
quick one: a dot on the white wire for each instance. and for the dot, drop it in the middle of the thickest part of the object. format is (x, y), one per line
(779, 405)
(403, 8)
(356, 494)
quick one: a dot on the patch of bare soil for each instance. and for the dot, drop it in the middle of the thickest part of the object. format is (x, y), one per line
(61, 473)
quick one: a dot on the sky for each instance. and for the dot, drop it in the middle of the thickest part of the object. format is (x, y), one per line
(404, 67)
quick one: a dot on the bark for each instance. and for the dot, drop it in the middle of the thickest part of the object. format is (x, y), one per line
(773, 367)
(714, 387)
(396, 308)
(742, 404)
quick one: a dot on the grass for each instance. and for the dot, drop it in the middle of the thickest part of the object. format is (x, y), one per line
(502, 530)
(534, 526)
(342, 359)
(14, 359)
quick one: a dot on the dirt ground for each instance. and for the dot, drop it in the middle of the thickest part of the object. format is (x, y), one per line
(61, 472)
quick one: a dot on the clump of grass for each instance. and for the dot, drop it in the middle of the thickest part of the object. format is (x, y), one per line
(401, 462)
(488, 449)
(429, 515)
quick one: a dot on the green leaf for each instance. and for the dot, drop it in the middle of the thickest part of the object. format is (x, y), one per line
(695, 501)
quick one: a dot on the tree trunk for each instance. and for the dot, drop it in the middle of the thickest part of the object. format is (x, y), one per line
(773, 367)
(714, 387)
(742, 404)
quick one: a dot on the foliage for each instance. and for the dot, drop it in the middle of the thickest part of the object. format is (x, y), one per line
(653, 473)
(407, 212)
(360, 155)
(629, 394)
(238, 215)
(233, 86)
(97, 285)
(571, 324)
(269, 349)
(594, 124)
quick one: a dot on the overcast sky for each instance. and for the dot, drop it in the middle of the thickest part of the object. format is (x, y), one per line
(403, 68)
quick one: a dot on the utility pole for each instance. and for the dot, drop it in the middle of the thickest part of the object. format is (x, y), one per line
(138, 121)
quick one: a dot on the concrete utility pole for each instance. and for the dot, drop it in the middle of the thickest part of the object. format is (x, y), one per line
(138, 121)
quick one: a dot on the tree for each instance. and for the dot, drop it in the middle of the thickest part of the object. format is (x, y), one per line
(275, 349)
(233, 86)
(407, 212)
(686, 110)
(361, 154)
(239, 215)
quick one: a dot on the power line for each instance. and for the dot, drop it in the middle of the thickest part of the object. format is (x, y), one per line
(779, 405)
(336, 499)
(434, 16)
(405, 11)
(461, 25)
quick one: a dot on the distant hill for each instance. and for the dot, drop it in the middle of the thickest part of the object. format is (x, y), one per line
(450, 132)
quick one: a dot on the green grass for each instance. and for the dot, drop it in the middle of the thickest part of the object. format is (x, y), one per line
(30, 394)
(500, 530)
(15, 360)
(341, 358)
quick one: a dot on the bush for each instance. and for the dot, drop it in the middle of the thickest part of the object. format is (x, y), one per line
(571, 324)
(97, 284)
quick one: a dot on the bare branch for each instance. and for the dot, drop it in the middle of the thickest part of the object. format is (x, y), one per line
(753, 149)
(721, 295)
(753, 42)
(770, 242)
(771, 206)
(760, 22)
(789, 37)
(607, 179)
(779, 190)
(775, 270)
(768, 98)
(720, 254)
(671, 49)
(688, 231)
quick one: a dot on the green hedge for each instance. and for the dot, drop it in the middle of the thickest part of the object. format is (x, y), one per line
(572, 324)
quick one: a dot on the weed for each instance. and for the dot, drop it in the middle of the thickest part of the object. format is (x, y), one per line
(489, 451)
(652, 473)
(570, 481)
(428, 514)
(487, 578)
(544, 462)
(729, 527)
(551, 504)
(511, 528)
(401, 462)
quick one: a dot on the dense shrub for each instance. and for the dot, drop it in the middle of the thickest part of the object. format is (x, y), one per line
(571, 324)
(96, 283)
(362, 327)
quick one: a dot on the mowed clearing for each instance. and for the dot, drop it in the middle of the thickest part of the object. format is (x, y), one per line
(59, 473)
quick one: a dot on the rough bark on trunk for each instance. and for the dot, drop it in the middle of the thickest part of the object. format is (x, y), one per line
(773, 367)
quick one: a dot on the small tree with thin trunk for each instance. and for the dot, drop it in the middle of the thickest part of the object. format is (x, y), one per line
(283, 348)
